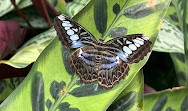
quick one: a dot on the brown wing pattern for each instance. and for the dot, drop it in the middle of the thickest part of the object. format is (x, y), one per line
(107, 78)
(131, 48)
(83, 66)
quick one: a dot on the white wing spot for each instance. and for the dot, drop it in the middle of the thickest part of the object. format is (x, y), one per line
(137, 45)
(67, 28)
(83, 33)
(75, 29)
(127, 50)
(126, 54)
(138, 41)
(145, 37)
(80, 52)
(117, 58)
(119, 42)
(70, 32)
(124, 39)
(66, 25)
(128, 42)
(66, 22)
(132, 47)
(74, 37)
(61, 17)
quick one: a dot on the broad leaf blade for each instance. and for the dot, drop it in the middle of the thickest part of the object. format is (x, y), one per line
(72, 8)
(6, 6)
(30, 51)
(175, 15)
(131, 97)
(170, 39)
(175, 99)
(51, 64)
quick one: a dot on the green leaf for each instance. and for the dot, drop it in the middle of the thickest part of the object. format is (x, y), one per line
(179, 64)
(100, 16)
(48, 104)
(177, 15)
(5, 90)
(143, 9)
(6, 6)
(170, 39)
(33, 16)
(25, 3)
(175, 12)
(175, 99)
(131, 98)
(72, 8)
(59, 5)
(51, 63)
(118, 32)
(37, 93)
(30, 51)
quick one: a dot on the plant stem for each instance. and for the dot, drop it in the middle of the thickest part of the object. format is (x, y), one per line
(117, 17)
(46, 13)
(71, 84)
(21, 14)
(178, 14)
(185, 17)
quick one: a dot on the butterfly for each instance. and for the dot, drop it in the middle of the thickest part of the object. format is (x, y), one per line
(105, 62)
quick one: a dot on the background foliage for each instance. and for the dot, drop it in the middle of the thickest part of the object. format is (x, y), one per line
(26, 32)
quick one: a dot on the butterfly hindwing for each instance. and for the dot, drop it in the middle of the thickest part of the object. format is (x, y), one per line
(71, 34)
(112, 70)
(83, 63)
(131, 48)
(91, 65)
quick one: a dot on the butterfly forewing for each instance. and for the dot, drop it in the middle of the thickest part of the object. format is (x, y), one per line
(71, 33)
(131, 48)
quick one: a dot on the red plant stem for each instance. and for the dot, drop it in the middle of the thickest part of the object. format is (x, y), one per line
(21, 13)
(56, 13)
(46, 13)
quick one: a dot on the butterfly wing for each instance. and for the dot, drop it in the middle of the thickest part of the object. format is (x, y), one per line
(131, 48)
(71, 34)
(84, 64)
(112, 70)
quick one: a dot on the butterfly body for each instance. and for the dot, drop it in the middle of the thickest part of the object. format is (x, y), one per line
(105, 62)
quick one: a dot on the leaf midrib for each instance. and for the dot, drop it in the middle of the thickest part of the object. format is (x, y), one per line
(115, 20)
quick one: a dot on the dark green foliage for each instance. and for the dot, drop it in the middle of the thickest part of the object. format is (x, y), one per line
(125, 102)
(37, 94)
(87, 90)
(160, 103)
(48, 104)
(65, 107)
(116, 8)
(184, 105)
(141, 10)
(66, 54)
(118, 32)
(100, 15)
(55, 89)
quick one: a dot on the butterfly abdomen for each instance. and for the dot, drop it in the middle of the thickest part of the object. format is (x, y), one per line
(97, 62)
